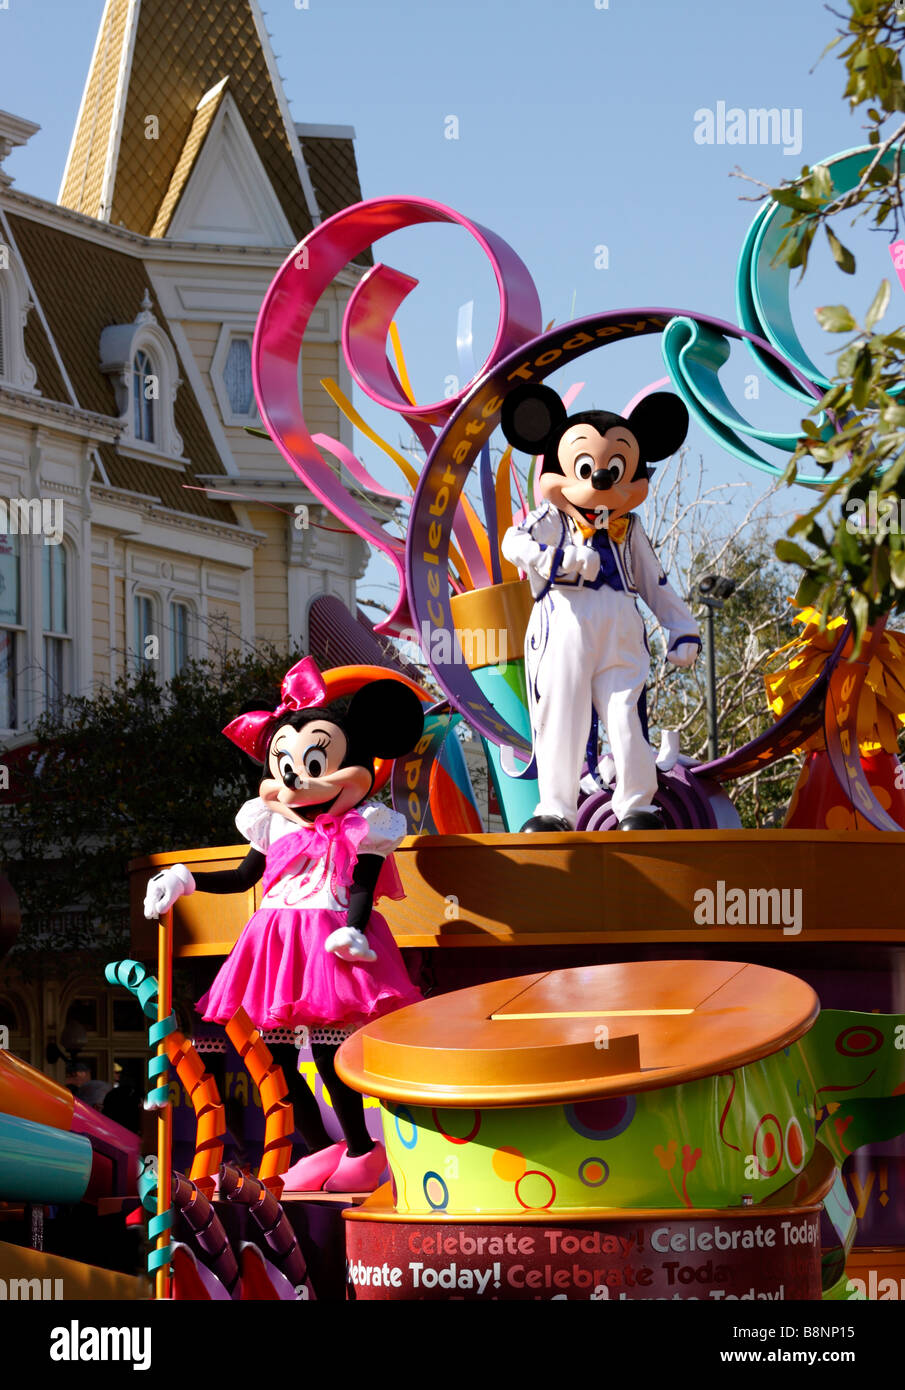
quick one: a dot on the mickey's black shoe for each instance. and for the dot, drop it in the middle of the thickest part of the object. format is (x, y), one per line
(545, 823)
(642, 820)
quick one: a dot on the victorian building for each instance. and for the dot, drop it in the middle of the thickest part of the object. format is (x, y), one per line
(141, 521)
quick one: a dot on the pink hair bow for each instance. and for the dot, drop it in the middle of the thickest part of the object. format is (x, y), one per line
(302, 687)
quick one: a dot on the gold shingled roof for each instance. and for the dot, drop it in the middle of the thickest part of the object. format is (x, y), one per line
(39, 352)
(83, 287)
(334, 176)
(180, 52)
(84, 178)
(204, 119)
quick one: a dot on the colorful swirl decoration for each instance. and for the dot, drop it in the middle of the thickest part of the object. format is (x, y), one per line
(448, 555)
(161, 1223)
(133, 976)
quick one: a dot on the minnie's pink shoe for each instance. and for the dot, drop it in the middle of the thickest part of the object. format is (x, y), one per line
(310, 1174)
(360, 1174)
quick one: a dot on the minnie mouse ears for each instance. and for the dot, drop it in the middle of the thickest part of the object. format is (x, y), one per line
(533, 419)
(386, 718)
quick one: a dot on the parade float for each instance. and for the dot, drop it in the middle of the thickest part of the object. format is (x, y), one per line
(641, 1068)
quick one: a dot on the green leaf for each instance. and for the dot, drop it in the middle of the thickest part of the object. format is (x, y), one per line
(897, 568)
(841, 254)
(835, 318)
(859, 609)
(253, 429)
(801, 525)
(792, 554)
(861, 378)
(808, 591)
(879, 304)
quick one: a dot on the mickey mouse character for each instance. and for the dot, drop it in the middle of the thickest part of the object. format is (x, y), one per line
(315, 953)
(587, 558)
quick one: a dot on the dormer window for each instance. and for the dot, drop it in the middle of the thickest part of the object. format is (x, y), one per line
(15, 306)
(145, 383)
(144, 371)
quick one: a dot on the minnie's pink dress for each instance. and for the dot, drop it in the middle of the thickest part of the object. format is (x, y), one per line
(278, 970)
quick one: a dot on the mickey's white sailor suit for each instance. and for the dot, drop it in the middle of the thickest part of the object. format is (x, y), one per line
(585, 644)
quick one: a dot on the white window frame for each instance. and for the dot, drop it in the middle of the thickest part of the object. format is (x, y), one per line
(180, 601)
(119, 347)
(141, 402)
(137, 660)
(54, 634)
(20, 629)
(228, 334)
(15, 305)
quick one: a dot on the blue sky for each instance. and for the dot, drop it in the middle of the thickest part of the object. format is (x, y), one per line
(576, 129)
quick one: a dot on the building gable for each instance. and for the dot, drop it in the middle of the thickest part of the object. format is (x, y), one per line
(227, 198)
(138, 111)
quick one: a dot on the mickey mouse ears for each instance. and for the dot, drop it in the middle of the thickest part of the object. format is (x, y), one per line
(533, 418)
(659, 422)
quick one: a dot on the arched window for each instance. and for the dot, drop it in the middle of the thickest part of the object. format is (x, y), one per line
(147, 641)
(12, 630)
(145, 392)
(181, 636)
(15, 306)
(57, 635)
(143, 368)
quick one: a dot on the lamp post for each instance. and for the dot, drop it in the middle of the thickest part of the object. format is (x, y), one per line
(713, 591)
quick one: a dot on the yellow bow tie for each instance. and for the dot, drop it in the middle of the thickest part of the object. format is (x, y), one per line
(616, 529)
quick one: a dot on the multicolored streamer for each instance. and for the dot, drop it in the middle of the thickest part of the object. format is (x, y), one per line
(133, 976)
(159, 1224)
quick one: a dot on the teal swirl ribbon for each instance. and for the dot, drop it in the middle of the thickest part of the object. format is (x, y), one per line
(695, 352)
(134, 977)
(159, 1225)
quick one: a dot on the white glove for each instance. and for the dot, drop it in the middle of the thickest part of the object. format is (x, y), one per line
(164, 889)
(685, 654)
(580, 559)
(349, 944)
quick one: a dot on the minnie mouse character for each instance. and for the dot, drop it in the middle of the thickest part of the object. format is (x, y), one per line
(587, 558)
(315, 953)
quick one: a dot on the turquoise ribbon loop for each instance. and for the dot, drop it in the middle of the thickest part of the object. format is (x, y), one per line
(762, 287)
(159, 1225)
(695, 353)
(133, 976)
